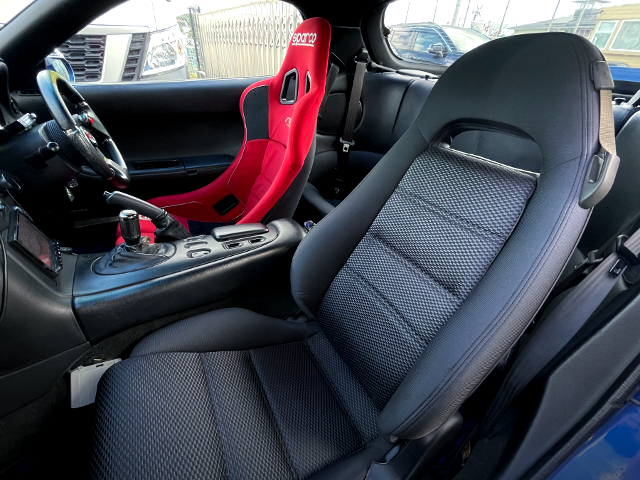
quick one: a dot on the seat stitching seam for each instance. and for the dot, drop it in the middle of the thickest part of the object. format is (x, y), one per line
(491, 164)
(478, 142)
(385, 302)
(215, 417)
(459, 220)
(280, 435)
(411, 264)
(560, 164)
(334, 391)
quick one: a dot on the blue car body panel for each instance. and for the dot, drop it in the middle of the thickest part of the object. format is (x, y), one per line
(625, 74)
(612, 452)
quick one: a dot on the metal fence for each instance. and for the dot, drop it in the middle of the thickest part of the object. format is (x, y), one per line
(246, 41)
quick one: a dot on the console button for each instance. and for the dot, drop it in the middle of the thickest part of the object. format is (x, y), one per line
(198, 253)
(194, 244)
(196, 238)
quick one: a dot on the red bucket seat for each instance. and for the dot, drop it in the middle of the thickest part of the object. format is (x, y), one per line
(279, 116)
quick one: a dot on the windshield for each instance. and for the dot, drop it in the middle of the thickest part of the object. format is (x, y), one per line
(10, 8)
(465, 40)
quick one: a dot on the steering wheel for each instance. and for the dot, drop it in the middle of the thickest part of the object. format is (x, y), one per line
(82, 135)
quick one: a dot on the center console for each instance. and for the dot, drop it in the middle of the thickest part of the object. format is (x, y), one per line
(192, 272)
(56, 304)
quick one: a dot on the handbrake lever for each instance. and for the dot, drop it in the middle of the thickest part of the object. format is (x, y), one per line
(167, 227)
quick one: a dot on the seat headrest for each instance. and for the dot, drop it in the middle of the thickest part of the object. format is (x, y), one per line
(309, 49)
(304, 67)
(538, 85)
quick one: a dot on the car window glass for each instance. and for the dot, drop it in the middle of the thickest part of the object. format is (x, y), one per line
(427, 38)
(613, 26)
(151, 40)
(464, 39)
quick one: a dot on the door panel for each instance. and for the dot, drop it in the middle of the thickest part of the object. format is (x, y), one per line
(175, 136)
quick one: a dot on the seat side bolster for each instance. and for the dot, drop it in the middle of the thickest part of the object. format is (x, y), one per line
(320, 256)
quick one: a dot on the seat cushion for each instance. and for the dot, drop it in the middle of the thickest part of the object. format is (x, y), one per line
(282, 411)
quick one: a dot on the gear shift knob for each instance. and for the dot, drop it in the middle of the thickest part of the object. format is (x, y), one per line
(130, 227)
(167, 227)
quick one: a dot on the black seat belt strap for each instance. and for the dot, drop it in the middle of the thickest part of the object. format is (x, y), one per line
(594, 257)
(353, 108)
(557, 330)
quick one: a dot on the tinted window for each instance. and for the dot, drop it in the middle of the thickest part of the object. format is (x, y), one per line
(463, 39)
(427, 38)
(401, 38)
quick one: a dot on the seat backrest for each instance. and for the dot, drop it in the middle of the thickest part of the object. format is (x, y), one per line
(280, 116)
(427, 274)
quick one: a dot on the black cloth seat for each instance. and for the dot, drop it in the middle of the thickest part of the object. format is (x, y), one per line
(416, 285)
(275, 411)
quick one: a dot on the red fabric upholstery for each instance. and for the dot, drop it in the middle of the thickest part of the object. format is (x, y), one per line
(265, 168)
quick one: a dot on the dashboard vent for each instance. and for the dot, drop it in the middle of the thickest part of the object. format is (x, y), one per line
(85, 53)
(133, 65)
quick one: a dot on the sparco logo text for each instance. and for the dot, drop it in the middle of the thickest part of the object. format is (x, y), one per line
(304, 39)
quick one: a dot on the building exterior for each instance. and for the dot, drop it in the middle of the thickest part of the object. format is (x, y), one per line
(617, 34)
(587, 22)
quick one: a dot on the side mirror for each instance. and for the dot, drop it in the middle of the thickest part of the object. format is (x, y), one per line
(57, 63)
(437, 49)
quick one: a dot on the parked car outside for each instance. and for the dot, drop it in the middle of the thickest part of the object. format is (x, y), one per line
(433, 43)
(138, 40)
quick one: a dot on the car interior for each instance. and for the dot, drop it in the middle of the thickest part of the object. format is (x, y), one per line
(357, 267)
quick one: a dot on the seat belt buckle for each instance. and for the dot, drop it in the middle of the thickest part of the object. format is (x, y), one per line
(346, 146)
(589, 261)
(626, 257)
